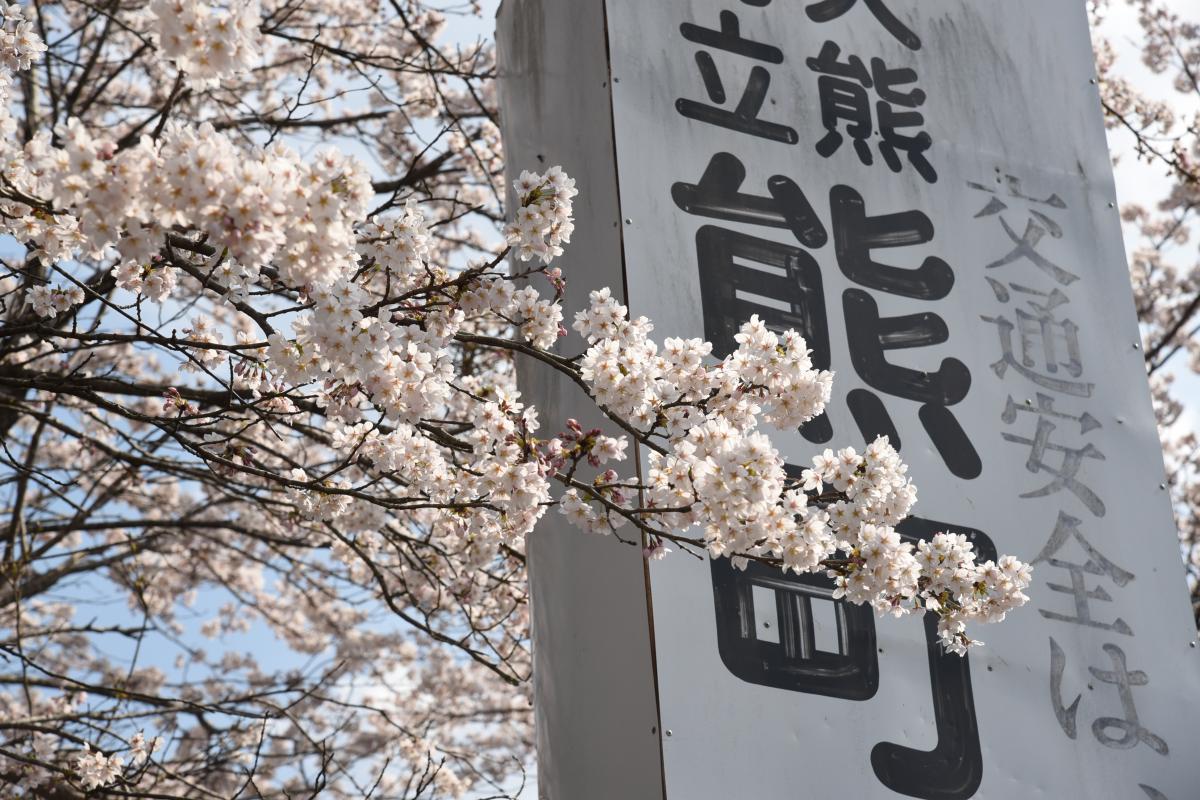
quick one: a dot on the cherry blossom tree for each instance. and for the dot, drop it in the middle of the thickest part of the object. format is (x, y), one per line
(1163, 128)
(266, 474)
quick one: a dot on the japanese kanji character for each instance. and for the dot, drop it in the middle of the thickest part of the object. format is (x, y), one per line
(1131, 730)
(1037, 225)
(1081, 595)
(832, 9)
(742, 275)
(787, 655)
(856, 235)
(744, 117)
(842, 88)
(1065, 474)
(1044, 340)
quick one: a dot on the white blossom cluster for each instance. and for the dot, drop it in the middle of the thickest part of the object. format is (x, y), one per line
(544, 221)
(20, 44)
(8, 123)
(722, 475)
(404, 370)
(963, 591)
(208, 43)
(400, 245)
(93, 768)
(114, 186)
(262, 206)
(875, 484)
(881, 569)
(49, 301)
(96, 769)
(538, 319)
(154, 280)
(403, 367)
(767, 374)
(500, 493)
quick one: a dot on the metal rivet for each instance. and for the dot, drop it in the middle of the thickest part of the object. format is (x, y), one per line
(1028, 402)
(1162, 486)
(1112, 205)
(1191, 644)
(766, 624)
(1091, 687)
(628, 221)
(668, 731)
(989, 667)
(616, 80)
(1092, 81)
(1120, 420)
(1137, 346)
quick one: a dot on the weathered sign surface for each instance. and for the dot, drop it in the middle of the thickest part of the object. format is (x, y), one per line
(923, 189)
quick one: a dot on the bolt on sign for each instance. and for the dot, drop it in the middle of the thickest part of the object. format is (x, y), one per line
(923, 190)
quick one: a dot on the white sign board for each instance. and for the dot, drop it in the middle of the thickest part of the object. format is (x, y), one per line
(923, 189)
